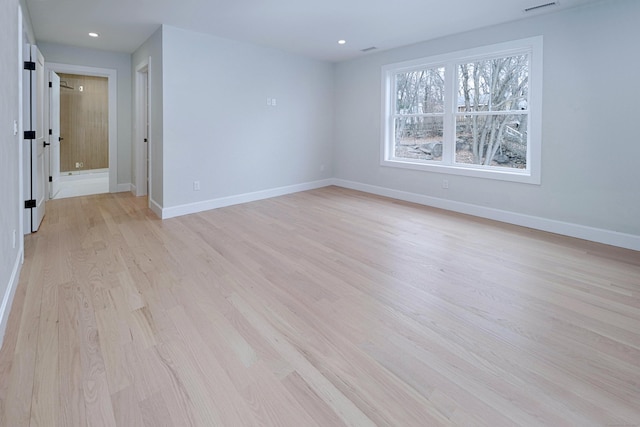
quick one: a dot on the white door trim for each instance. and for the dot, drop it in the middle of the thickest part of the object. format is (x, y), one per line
(20, 201)
(39, 92)
(53, 150)
(142, 121)
(112, 78)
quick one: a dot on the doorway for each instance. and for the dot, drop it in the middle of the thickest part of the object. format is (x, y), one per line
(84, 130)
(88, 149)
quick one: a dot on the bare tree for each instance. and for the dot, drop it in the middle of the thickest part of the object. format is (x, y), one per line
(495, 85)
(490, 97)
(419, 93)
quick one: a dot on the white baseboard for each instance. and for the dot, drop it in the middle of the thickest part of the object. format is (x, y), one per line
(608, 237)
(85, 174)
(7, 299)
(206, 205)
(121, 188)
(614, 238)
(155, 207)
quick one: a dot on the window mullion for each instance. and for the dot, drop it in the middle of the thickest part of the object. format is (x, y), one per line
(450, 102)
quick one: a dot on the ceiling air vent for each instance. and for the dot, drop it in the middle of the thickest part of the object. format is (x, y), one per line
(369, 49)
(540, 6)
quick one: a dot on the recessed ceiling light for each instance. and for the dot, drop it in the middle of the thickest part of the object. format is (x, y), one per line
(342, 41)
(94, 35)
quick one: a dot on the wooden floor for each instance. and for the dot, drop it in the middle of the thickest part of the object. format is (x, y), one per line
(323, 308)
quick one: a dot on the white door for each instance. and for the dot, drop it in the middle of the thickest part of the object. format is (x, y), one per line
(54, 134)
(35, 138)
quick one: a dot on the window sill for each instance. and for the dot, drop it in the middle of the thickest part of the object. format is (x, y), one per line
(478, 171)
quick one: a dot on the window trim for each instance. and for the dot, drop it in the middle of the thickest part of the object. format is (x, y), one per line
(530, 175)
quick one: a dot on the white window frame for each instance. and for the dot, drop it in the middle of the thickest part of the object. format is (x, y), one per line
(531, 175)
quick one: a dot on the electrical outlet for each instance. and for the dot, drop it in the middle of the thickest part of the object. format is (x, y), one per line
(445, 184)
(77, 165)
(196, 185)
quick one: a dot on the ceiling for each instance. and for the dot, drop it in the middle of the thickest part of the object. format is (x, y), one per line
(305, 27)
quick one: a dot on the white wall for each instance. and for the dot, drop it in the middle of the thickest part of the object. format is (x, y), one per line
(151, 52)
(218, 128)
(121, 62)
(10, 197)
(590, 151)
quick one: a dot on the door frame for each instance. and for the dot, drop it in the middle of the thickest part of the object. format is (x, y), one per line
(112, 79)
(23, 38)
(54, 138)
(38, 148)
(142, 119)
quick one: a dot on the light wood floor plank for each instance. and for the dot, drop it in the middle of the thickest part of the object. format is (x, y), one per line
(97, 398)
(72, 406)
(155, 412)
(328, 307)
(126, 409)
(21, 376)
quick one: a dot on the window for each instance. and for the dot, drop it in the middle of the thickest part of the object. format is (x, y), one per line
(474, 112)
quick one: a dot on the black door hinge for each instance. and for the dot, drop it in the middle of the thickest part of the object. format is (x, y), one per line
(29, 65)
(29, 204)
(29, 134)
(50, 179)
(50, 84)
(50, 131)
